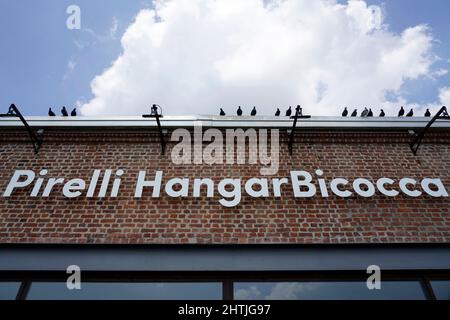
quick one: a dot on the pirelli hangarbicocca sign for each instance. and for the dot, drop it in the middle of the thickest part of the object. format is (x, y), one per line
(224, 180)
(254, 187)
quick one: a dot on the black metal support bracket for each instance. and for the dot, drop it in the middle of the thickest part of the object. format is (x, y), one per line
(157, 116)
(442, 114)
(35, 138)
(298, 115)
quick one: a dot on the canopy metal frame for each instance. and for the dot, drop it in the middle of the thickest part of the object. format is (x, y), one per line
(442, 114)
(298, 115)
(154, 114)
(35, 137)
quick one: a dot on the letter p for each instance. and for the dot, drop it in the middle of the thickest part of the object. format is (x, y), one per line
(16, 182)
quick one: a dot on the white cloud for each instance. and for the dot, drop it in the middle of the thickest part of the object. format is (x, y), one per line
(252, 293)
(277, 291)
(194, 56)
(291, 290)
(113, 28)
(439, 73)
(71, 65)
(444, 96)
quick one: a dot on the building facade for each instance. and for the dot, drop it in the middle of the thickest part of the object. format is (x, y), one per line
(345, 196)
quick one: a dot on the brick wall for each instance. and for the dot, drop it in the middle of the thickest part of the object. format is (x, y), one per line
(270, 220)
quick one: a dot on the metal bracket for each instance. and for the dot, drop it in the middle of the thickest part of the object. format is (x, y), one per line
(442, 114)
(157, 116)
(35, 138)
(298, 115)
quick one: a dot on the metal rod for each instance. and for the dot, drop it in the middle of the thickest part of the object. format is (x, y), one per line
(427, 288)
(35, 139)
(161, 135)
(415, 144)
(298, 114)
(23, 290)
(155, 114)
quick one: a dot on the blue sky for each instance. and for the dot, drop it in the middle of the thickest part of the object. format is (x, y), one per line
(38, 51)
(37, 48)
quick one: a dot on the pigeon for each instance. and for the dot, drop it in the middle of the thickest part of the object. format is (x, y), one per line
(289, 112)
(428, 113)
(355, 113)
(401, 112)
(277, 114)
(382, 113)
(345, 112)
(74, 112)
(370, 114)
(410, 113)
(253, 113)
(365, 112)
(239, 111)
(222, 113)
(64, 112)
(51, 113)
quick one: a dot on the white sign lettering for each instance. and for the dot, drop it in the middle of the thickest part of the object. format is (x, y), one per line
(302, 183)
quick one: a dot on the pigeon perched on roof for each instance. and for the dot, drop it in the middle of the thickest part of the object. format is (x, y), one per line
(354, 113)
(64, 112)
(401, 112)
(428, 113)
(382, 114)
(365, 112)
(239, 111)
(278, 112)
(370, 114)
(222, 113)
(51, 113)
(253, 113)
(345, 112)
(74, 112)
(289, 112)
(410, 113)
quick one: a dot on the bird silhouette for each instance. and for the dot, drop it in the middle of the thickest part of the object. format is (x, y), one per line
(401, 112)
(289, 112)
(64, 112)
(51, 113)
(222, 113)
(239, 111)
(364, 113)
(253, 113)
(428, 113)
(355, 113)
(410, 113)
(370, 114)
(345, 112)
(278, 112)
(382, 114)
(74, 112)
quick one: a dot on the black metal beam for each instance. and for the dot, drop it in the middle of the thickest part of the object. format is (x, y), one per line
(36, 141)
(227, 290)
(23, 290)
(157, 116)
(427, 288)
(442, 114)
(298, 114)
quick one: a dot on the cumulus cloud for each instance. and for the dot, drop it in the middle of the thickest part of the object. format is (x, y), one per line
(194, 56)
(277, 291)
(251, 293)
(444, 96)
